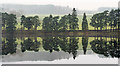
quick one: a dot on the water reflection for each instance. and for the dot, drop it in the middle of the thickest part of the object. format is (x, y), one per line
(30, 45)
(84, 44)
(9, 45)
(106, 48)
(51, 44)
(70, 45)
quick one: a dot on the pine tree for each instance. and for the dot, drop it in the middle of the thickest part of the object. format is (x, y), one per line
(84, 23)
(73, 20)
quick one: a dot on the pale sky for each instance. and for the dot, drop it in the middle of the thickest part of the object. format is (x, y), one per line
(79, 4)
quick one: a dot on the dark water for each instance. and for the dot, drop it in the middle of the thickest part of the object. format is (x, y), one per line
(57, 48)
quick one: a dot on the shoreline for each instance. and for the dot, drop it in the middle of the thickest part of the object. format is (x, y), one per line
(66, 33)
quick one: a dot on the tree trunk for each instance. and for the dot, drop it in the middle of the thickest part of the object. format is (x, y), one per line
(106, 27)
(100, 28)
(28, 28)
(97, 28)
(35, 27)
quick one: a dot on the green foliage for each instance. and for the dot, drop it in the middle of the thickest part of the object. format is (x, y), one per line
(73, 20)
(68, 21)
(36, 22)
(118, 18)
(51, 23)
(4, 19)
(9, 22)
(28, 22)
(23, 19)
(105, 19)
(64, 23)
(114, 18)
(84, 23)
(99, 20)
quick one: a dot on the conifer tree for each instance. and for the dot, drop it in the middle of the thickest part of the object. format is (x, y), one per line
(84, 23)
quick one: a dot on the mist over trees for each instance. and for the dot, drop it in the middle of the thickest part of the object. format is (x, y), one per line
(20, 9)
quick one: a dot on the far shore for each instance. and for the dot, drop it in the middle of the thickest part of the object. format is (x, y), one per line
(66, 33)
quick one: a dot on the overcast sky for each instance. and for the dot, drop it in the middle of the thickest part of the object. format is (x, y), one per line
(79, 4)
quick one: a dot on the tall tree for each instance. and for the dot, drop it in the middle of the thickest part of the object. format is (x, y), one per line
(29, 22)
(23, 20)
(99, 20)
(73, 20)
(11, 23)
(118, 18)
(113, 18)
(4, 20)
(36, 22)
(51, 23)
(94, 21)
(84, 23)
(55, 23)
(63, 23)
(105, 19)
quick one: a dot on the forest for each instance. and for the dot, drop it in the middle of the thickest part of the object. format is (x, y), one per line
(100, 21)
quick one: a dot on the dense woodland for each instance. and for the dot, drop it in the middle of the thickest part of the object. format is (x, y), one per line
(100, 21)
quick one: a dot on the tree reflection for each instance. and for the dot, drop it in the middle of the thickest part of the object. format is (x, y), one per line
(30, 45)
(114, 48)
(56, 43)
(51, 44)
(64, 45)
(110, 48)
(84, 44)
(9, 45)
(73, 46)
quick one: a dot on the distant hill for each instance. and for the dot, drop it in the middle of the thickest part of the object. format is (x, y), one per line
(20, 9)
(36, 9)
(119, 4)
(105, 8)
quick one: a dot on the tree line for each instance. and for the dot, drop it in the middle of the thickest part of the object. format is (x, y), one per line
(106, 19)
(100, 21)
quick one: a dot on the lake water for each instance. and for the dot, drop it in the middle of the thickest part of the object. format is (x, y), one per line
(61, 50)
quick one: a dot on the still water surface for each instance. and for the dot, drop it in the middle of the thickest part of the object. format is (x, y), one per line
(59, 49)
